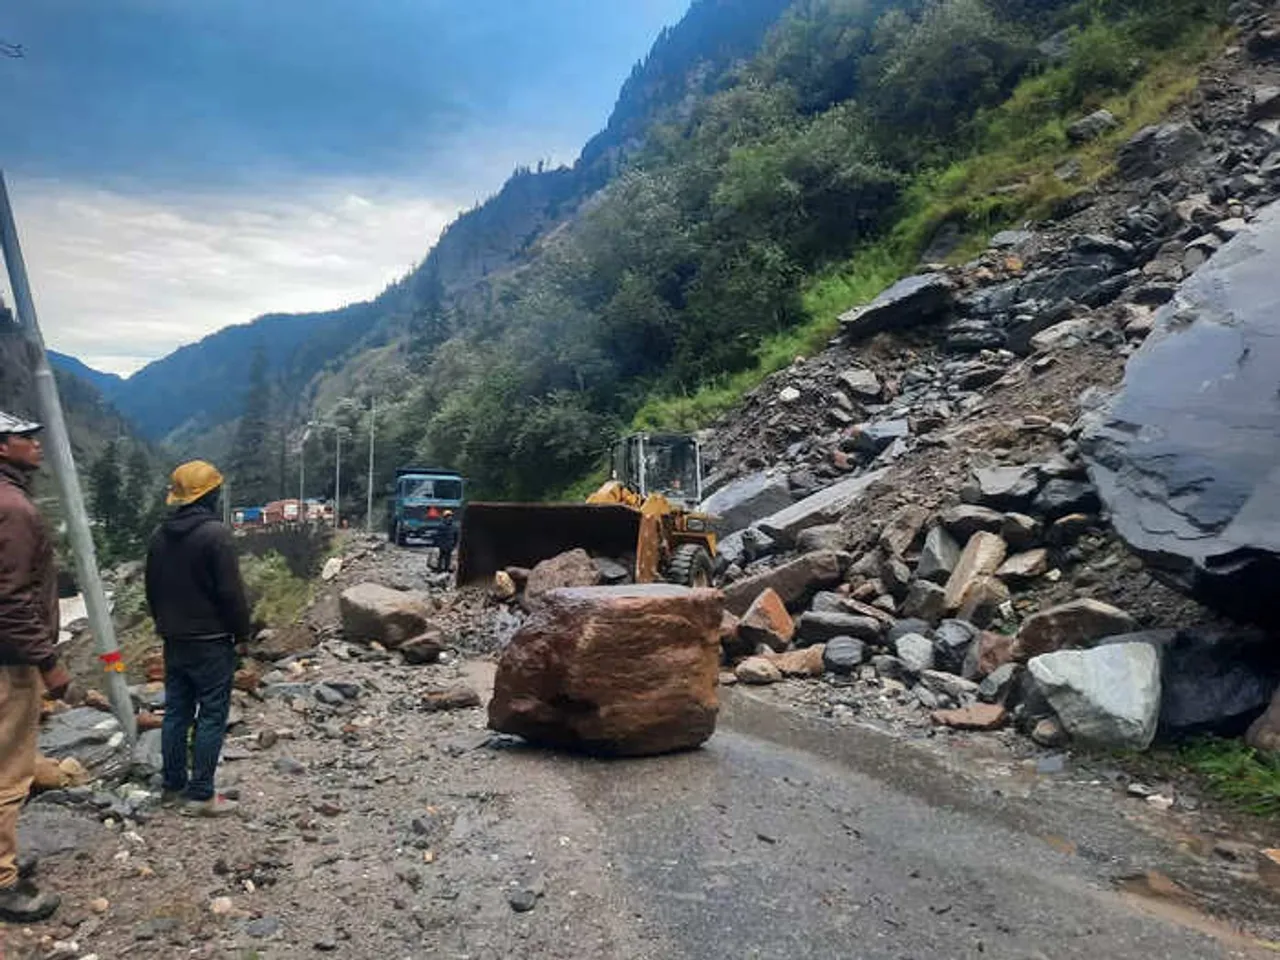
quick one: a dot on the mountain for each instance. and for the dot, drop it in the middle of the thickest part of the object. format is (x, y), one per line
(109, 385)
(769, 164)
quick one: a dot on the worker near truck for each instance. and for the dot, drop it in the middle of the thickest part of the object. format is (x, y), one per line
(197, 598)
(28, 636)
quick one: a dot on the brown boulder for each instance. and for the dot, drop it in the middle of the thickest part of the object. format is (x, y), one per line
(372, 612)
(757, 671)
(767, 622)
(792, 581)
(622, 671)
(1079, 623)
(572, 569)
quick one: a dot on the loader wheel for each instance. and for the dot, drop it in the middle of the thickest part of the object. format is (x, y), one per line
(691, 566)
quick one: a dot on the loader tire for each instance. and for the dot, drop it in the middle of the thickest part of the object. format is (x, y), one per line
(691, 566)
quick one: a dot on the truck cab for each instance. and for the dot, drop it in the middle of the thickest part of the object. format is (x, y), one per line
(425, 505)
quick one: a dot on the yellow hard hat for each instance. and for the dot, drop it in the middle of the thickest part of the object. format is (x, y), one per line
(191, 481)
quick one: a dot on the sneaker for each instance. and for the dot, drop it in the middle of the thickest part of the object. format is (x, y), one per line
(25, 904)
(218, 806)
(28, 864)
(171, 798)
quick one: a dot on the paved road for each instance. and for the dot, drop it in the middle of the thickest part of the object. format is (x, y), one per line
(747, 849)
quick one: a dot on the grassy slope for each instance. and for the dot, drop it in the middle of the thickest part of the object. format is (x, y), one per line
(1026, 142)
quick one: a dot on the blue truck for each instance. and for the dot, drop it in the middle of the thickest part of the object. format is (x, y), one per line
(425, 506)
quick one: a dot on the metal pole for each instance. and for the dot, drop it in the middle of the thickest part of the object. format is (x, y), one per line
(64, 468)
(302, 479)
(373, 426)
(337, 476)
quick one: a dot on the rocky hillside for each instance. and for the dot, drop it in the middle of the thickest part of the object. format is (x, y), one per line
(1069, 438)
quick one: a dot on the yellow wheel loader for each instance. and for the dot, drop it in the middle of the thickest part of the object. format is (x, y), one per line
(644, 517)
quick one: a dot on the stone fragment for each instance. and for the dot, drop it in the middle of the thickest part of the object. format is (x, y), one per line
(792, 581)
(1024, 567)
(814, 627)
(282, 642)
(988, 653)
(423, 649)
(890, 668)
(915, 300)
(951, 642)
(1095, 125)
(982, 600)
(332, 567)
(1077, 623)
(938, 557)
(861, 383)
(1003, 488)
(981, 557)
(826, 506)
(1155, 149)
(1107, 697)
(767, 622)
(829, 536)
(964, 520)
(1020, 531)
(999, 684)
(503, 587)
(374, 613)
(798, 663)
(574, 568)
(1059, 498)
(979, 716)
(458, 696)
(915, 652)
(757, 671)
(925, 601)
(903, 529)
(843, 655)
(1049, 732)
(744, 501)
(627, 670)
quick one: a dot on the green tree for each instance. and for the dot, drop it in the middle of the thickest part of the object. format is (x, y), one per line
(252, 465)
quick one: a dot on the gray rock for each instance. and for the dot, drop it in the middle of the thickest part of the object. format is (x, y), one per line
(148, 758)
(951, 642)
(964, 520)
(1155, 149)
(288, 765)
(939, 556)
(861, 382)
(611, 571)
(746, 500)
(263, 927)
(1003, 488)
(826, 602)
(1107, 697)
(824, 507)
(906, 626)
(793, 581)
(92, 737)
(843, 655)
(522, 901)
(1020, 531)
(1185, 456)
(873, 438)
(998, 685)
(1011, 239)
(915, 652)
(829, 536)
(813, 627)
(328, 695)
(1092, 127)
(1061, 497)
(890, 668)
(925, 601)
(909, 302)
(371, 611)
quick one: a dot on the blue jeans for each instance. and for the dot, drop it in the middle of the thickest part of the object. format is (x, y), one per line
(197, 691)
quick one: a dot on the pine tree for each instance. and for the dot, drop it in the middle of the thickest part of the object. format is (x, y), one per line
(107, 496)
(252, 464)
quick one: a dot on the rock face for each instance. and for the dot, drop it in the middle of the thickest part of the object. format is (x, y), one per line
(371, 612)
(1187, 456)
(746, 500)
(1108, 696)
(620, 671)
(907, 303)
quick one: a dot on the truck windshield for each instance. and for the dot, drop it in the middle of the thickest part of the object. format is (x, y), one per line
(431, 488)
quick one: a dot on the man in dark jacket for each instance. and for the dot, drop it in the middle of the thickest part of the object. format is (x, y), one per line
(197, 599)
(28, 634)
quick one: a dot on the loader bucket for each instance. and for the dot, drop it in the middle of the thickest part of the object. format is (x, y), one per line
(500, 535)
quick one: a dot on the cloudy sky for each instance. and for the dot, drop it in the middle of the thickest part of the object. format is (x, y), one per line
(180, 165)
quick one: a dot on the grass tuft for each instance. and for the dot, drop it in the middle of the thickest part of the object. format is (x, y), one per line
(1236, 773)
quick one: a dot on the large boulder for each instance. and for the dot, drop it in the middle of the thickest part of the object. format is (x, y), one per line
(574, 568)
(621, 671)
(767, 623)
(372, 612)
(1077, 623)
(746, 500)
(793, 582)
(825, 506)
(907, 303)
(1107, 697)
(1187, 455)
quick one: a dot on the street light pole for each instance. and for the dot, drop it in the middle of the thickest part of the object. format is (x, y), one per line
(64, 468)
(373, 426)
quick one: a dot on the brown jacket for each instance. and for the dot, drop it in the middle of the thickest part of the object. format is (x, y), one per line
(28, 577)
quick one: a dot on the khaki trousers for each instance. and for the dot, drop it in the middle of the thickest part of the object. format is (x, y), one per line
(20, 689)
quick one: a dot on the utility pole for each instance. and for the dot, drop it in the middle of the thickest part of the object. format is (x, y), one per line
(373, 426)
(64, 468)
(337, 477)
(302, 475)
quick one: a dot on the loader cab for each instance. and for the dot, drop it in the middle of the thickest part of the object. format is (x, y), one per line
(425, 506)
(669, 464)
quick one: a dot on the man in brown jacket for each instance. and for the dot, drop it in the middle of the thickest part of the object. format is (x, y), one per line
(28, 633)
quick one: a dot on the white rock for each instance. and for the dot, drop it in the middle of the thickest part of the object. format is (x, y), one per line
(332, 567)
(1108, 696)
(916, 652)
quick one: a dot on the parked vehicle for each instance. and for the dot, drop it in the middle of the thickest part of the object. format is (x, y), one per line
(248, 517)
(281, 511)
(425, 506)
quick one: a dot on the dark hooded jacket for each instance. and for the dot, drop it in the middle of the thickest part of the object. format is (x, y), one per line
(194, 587)
(28, 577)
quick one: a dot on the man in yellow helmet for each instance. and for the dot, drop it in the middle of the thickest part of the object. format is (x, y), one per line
(197, 599)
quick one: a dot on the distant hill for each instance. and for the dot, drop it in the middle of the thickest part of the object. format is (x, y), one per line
(108, 384)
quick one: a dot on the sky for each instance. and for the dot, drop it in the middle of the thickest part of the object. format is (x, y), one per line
(179, 166)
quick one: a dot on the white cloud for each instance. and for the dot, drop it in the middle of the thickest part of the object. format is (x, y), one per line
(120, 279)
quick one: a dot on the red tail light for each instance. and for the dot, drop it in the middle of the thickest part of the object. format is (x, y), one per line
(433, 513)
